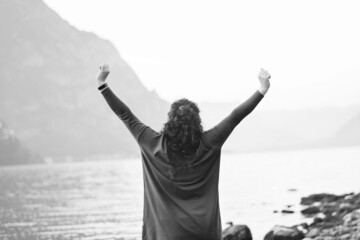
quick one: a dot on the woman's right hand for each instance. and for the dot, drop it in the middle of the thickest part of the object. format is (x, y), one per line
(103, 73)
(264, 78)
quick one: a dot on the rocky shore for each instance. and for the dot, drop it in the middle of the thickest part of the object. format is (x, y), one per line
(333, 217)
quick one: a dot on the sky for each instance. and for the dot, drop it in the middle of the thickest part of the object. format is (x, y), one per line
(212, 50)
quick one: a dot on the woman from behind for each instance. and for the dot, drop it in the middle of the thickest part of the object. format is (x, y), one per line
(181, 165)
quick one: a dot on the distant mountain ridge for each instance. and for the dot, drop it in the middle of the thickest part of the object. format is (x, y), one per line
(288, 129)
(48, 91)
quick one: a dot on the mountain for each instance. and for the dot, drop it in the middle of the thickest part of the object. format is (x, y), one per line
(12, 150)
(48, 91)
(287, 129)
(348, 134)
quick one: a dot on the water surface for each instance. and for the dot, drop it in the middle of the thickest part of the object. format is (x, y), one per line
(103, 199)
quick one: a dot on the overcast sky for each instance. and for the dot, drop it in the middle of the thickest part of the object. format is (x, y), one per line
(212, 50)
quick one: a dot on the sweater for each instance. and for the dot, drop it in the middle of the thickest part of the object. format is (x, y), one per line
(181, 202)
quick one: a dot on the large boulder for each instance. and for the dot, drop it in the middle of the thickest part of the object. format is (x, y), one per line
(284, 233)
(237, 232)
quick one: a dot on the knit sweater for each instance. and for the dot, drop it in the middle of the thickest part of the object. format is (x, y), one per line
(181, 202)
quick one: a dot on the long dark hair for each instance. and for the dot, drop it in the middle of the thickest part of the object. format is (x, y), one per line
(183, 129)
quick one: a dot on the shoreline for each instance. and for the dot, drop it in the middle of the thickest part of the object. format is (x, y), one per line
(330, 217)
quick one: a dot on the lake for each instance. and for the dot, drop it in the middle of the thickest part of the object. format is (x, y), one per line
(103, 199)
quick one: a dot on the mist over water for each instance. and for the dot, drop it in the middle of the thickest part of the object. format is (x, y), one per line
(103, 200)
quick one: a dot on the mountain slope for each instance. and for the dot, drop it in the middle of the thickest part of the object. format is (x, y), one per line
(348, 134)
(11, 149)
(48, 89)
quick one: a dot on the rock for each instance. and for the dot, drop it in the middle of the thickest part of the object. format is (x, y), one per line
(310, 210)
(320, 216)
(350, 198)
(352, 217)
(345, 236)
(284, 233)
(292, 190)
(237, 232)
(317, 220)
(329, 208)
(303, 227)
(287, 211)
(335, 217)
(313, 233)
(330, 221)
(345, 207)
(321, 197)
(325, 238)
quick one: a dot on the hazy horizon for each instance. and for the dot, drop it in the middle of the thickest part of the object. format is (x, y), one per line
(212, 51)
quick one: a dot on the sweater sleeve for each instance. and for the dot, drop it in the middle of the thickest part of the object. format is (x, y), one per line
(138, 129)
(218, 134)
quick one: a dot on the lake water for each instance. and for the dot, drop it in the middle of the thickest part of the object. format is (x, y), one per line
(103, 200)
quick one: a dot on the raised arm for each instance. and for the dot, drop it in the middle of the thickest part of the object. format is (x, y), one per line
(218, 134)
(135, 126)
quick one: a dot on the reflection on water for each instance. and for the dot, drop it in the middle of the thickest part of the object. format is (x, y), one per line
(71, 201)
(103, 200)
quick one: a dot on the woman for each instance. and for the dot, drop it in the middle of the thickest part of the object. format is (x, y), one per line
(181, 165)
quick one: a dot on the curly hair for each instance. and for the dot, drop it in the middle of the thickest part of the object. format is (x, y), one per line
(183, 129)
